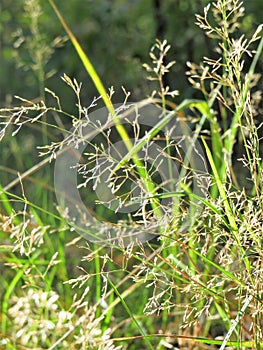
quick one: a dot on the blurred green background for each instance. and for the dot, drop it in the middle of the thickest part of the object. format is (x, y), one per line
(116, 34)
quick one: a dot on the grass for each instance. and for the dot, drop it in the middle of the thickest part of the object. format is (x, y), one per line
(155, 242)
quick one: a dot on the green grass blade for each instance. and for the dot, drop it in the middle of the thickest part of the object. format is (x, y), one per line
(229, 212)
(230, 140)
(130, 313)
(187, 103)
(149, 185)
(85, 60)
(230, 215)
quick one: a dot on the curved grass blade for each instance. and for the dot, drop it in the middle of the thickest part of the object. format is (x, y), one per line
(149, 185)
